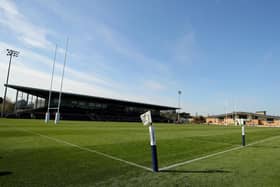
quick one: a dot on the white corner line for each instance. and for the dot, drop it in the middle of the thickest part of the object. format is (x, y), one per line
(87, 149)
(215, 154)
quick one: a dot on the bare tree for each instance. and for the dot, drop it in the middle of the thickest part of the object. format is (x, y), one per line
(9, 106)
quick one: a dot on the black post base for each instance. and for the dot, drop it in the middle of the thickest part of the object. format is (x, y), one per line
(154, 158)
(243, 140)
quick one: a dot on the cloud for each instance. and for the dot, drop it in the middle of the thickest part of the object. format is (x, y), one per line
(33, 69)
(27, 32)
(23, 73)
(104, 35)
(185, 48)
(125, 48)
(40, 62)
(25, 76)
(154, 85)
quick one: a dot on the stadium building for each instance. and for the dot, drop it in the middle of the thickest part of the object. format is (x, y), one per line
(32, 103)
(258, 118)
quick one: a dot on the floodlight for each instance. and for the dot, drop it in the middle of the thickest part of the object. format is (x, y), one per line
(11, 53)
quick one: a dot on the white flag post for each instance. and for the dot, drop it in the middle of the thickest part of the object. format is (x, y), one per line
(242, 123)
(147, 120)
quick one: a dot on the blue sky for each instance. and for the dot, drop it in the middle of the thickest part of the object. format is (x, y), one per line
(222, 54)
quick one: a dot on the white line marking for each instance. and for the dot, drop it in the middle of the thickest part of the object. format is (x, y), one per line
(263, 140)
(87, 149)
(144, 167)
(214, 154)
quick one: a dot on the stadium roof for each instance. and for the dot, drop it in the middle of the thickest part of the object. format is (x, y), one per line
(244, 113)
(43, 93)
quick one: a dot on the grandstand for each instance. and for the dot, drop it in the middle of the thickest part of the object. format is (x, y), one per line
(32, 103)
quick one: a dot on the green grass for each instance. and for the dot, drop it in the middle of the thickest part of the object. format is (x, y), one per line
(27, 159)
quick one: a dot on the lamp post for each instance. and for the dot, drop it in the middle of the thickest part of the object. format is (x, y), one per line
(11, 53)
(179, 99)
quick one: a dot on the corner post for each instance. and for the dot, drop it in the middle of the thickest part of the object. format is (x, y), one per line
(243, 135)
(153, 148)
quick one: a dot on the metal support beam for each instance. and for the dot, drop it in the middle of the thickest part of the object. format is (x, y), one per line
(27, 98)
(36, 102)
(15, 107)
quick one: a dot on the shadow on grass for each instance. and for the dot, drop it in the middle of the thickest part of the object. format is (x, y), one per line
(4, 173)
(197, 171)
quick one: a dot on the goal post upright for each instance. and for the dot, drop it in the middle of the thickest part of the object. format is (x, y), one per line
(57, 115)
(47, 116)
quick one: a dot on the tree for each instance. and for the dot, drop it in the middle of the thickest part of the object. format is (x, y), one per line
(198, 119)
(170, 116)
(9, 105)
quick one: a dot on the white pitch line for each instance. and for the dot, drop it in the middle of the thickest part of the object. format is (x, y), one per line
(263, 140)
(140, 166)
(87, 149)
(214, 154)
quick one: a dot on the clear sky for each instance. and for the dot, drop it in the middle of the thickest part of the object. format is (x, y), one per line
(220, 53)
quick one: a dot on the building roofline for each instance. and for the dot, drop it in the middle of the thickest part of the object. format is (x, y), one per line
(244, 113)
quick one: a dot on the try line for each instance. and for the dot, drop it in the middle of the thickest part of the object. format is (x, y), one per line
(215, 154)
(86, 149)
